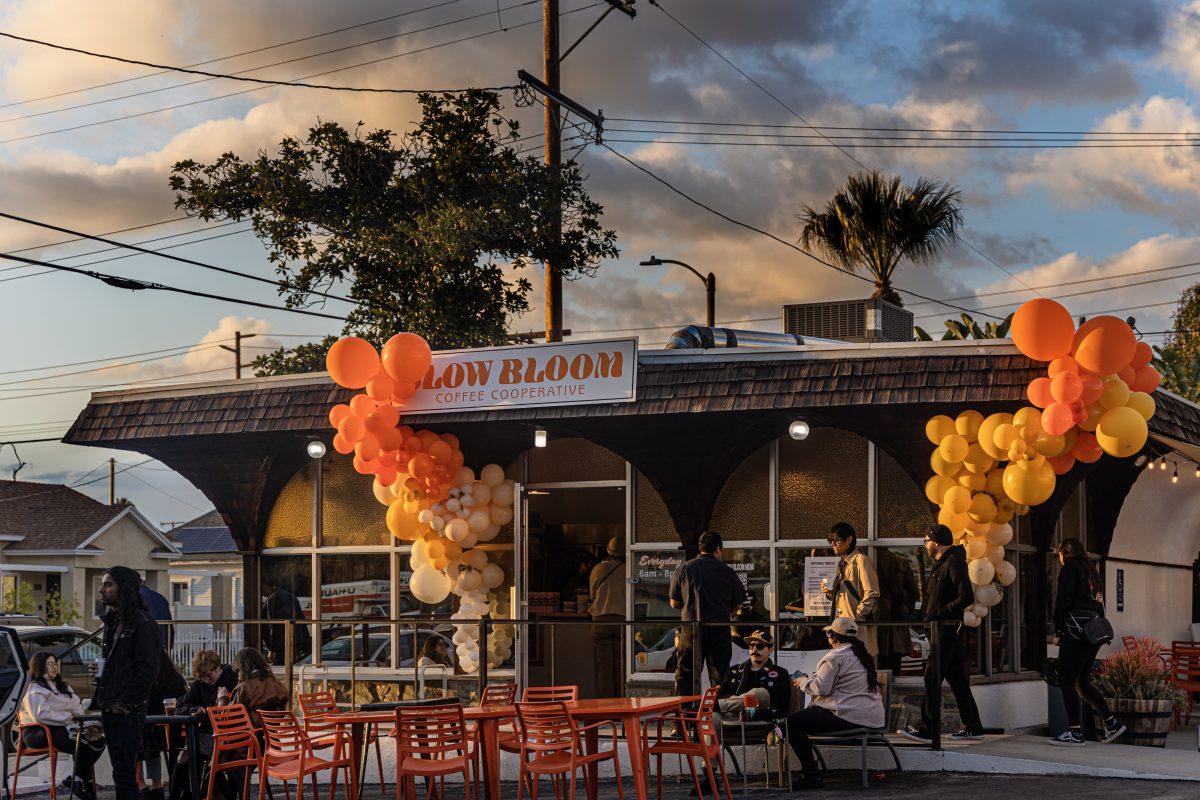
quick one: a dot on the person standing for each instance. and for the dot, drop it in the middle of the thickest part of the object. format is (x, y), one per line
(1079, 600)
(154, 742)
(606, 586)
(132, 656)
(706, 590)
(897, 601)
(279, 603)
(948, 594)
(855, 590)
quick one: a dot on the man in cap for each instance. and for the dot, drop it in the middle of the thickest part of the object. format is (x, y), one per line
(606, 585)
(760, 677)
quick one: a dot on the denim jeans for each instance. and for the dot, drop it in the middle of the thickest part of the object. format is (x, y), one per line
(123, 733)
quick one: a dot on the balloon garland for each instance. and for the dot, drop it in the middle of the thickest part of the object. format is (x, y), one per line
(1093, 399)
(432, 499)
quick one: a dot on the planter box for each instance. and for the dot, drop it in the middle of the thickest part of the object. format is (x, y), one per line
(1147, 721)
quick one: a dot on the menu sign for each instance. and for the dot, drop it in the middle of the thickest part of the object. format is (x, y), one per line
(527, 376)
(816, 604)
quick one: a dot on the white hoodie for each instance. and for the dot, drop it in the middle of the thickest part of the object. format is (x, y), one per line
(49, 707)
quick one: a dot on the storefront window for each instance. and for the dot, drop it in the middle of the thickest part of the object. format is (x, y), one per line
(290, 523)
(743, 507)
(903, 512)
(902, 649)
(753, 566)
(790, 568)
(286, 589)
(574, 459)
(350, 513)
(822, 480)
(654, 638)
(652, 521)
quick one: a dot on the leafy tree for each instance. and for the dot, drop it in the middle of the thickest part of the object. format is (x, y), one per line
(1178, 358)
(60, 610)
(968, 328)
(875, 222)
(18, 598)
(423, 228)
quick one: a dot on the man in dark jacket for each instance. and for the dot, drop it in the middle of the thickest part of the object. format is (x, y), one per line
(948, 594)
(759, 676)
(279, 603)
(132, 655)
(705, 589)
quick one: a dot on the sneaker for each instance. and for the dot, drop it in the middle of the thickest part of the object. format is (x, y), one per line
(1112, 731)
(915, 734)
(1068, 739)
(803, 781)
(965, 736)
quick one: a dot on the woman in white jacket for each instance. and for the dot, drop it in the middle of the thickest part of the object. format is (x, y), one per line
(51, 702)
(843, 693)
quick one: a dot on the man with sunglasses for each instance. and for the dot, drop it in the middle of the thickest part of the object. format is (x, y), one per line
(759, 676)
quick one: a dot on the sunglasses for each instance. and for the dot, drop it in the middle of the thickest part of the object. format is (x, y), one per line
(759, 646)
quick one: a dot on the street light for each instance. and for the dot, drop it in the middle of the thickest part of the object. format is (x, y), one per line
(710, 283)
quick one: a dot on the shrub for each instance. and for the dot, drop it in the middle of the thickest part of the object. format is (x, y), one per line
(1138, 673)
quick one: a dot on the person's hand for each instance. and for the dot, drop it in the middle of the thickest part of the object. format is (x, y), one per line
(1055, 640)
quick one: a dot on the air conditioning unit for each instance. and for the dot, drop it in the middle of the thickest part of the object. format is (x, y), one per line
(871, 320)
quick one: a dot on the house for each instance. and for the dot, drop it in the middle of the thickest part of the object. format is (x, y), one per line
(54, 539)
(206, 580)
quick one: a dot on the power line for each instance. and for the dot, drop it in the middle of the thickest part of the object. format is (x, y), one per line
(930, 146)
(165, 493)
(182, 348)
(232, 77)
(196, 349)
(139, 383)
(901, 129)
(130, 283)
(60, 487)
(854, 138)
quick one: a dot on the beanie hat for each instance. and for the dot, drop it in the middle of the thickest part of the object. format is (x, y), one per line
(941, 535)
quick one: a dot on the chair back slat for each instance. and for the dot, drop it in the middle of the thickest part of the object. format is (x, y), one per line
(550, 694)
(498, 694)
(232, 727)
(431, 731)
(285, 739)
(884, 676)
(314, 706)
(704, 715)
(545, 727)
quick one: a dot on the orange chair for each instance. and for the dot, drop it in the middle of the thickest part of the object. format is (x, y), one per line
(49, 750)
(1185, 673)
(431, 742)
(314, 706)
(494, 694)
(509, 742)
(288, 756)
(704, 744)
(551, 745)
(233, 734)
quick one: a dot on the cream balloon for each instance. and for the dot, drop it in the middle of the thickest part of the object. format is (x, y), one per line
(981, 571)
(383, 494)
(979, 610)
(469, 580)
(1000, 534)
(493, 576)
(491, 532)
(995, 555)
(988, 594)
(480, 519)
(457, 530)
(501, 515)
(970, 620)
(481, 492)
(429, 585)
(463, 477)
(502, 495)
(476, 559)
(1006, 573)
(492, 475)
(976, 547)
(470, 541)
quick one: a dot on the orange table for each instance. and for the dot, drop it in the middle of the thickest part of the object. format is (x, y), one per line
(630, 711)
(488, 719)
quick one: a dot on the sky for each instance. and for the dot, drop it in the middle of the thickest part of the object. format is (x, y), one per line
(88, 144)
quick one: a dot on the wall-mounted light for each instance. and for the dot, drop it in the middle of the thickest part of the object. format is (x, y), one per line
(539, 437)
(316, 449)
(798, 429)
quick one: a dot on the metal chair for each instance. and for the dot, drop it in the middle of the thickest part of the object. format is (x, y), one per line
(431, 743)
(494, 694)
(864, 737)
(1185, 673)
(509, 742)
(755, 733)
(551, 745)
(315, 706)
(233, 734)
(288, 756)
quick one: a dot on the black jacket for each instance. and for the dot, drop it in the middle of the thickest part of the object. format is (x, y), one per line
(772, 677)
(201, 695)
(948, 591)
(1075, 594)
(132, 656)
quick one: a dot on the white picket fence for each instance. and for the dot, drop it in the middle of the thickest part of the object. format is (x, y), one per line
(191, 638)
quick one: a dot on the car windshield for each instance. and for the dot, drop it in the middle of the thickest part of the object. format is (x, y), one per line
(339, 649)
(58, 642)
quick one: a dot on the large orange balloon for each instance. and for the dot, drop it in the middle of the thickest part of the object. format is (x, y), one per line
(352, 362)
(1146, 380)
(1042, 329)
(1104, 345)
(406, 357)
(1058, 419)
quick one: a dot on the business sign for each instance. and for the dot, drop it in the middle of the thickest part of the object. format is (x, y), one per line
(816, 568)
(529, 376)
(1120, 590)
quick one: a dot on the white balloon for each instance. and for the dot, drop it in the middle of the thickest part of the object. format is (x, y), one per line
(438, 509)
(981, 571)
(452, 504)
(462, 513)
(988, 595)
(429, 585)
(480, 519)
(995, 555)
(1000, 534)
(472, 633)
(501, 515)
(469, 580)
(492, 475)
(502, 495)
(1006, 573)
(490, 532)
(481, 492)
(420, 550)
(469, 541)
(437, 523)
(970, 620)
(453, 492)
(460, 636)
(466, 501)
(456, 530)
(979, 610)
(425, 517)
(493, 576)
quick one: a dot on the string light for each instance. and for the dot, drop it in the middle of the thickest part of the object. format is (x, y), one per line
(1162, 464)
(1175, 477)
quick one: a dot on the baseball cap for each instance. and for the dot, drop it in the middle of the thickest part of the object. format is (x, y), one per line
(763, 636)
(843, 625)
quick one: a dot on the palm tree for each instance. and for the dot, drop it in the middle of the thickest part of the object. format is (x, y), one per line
(968, 329)
(874, 222)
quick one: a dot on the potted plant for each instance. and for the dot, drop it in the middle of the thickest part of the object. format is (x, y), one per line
(1137, 683)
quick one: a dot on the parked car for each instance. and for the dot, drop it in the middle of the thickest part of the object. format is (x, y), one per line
(377, 652)
(659, 656)
(57, 639)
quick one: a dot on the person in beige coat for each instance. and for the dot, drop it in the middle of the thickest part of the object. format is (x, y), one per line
(855, 590)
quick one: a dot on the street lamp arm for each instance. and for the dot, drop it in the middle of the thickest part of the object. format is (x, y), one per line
(654, 261)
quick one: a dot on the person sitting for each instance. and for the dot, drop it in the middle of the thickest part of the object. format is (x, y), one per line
(757, 676)
(845, 694)
(50, 701)
(257, 688)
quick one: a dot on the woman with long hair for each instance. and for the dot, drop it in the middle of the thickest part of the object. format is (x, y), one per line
(257, 688)
(844, 692)
(1080, 599)
(50, 701)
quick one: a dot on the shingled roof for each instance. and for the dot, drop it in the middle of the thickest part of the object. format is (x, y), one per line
(50, 516)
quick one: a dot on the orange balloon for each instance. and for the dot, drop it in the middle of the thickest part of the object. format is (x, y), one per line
(1093, 387)
(1104, 345)
(381, 387)
(1127, 373)
(1066, 387)
(1058, 418)
(457, 460)
(1039, 392)
(362, 405)
(406, 357)
(427, 437)
(1146, 380)
(1042, 329)
(1062, 364)
(440, 452)
(352, 429)
(452, 440)
(413, 444)
(420, 465)
(1062, 464)
(339, 413)
(343, 445)
(364, 467)
(376, 423)
(352, 362)
(387, 475)
(390, 439)
(367, 448)
(1087, 449)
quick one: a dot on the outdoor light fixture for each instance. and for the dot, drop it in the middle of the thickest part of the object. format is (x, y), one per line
(798, 430)
(539, 437)
(1175, 477)
(316, 449)
(1140, 461)
(1163, 464)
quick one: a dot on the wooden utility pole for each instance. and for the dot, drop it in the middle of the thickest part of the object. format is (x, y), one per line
(112, 481)
(238, 336)
(550, 74)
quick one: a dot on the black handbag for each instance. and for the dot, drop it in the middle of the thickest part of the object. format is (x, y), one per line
(1097, 630)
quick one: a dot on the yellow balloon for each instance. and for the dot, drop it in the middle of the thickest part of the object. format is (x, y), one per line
(938, 428)
(1032, 460)
(936, 487)
(977, 547)
(1004, 437)
(957, 500)
(1028, 487)
(1028, 416)
(977, 459)
(1048, 445)
(987, 433)
(972, 481)
(1116, 393)
(957, 523)
(967, 424)
(954, 448)
(1142, 403)
(1005, 510)
(983, 508)
(1094, 411)
(995, 483)
(943, 467)
(402, 524)
(1017, 450)
(1122, 432)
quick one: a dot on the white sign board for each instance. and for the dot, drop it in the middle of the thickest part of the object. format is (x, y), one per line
(794, 662)
(816, 604)
(526, 376)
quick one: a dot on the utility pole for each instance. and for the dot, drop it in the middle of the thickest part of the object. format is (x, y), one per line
(550, 74)
(238, 336)
(112, 481)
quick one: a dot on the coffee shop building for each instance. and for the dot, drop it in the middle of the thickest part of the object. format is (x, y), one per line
(705, 439)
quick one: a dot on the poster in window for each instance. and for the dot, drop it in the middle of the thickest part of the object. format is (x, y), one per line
(816, 604)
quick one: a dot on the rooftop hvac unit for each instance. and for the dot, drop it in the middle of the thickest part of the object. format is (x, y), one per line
(871, 320)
